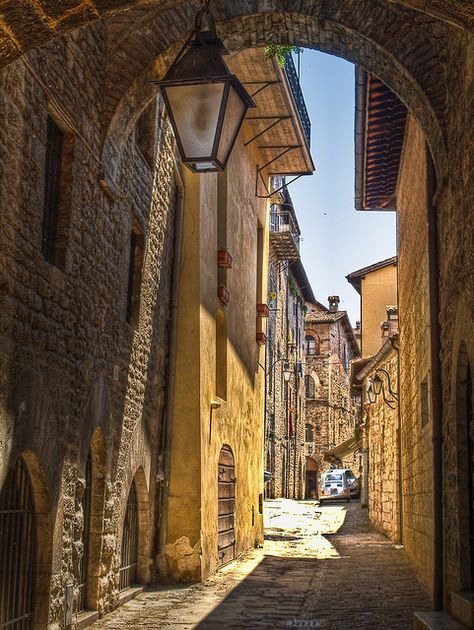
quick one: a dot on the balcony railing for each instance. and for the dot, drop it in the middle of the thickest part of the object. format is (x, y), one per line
(295, 87)
(284, 234)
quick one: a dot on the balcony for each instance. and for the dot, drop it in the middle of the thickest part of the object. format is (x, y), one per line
(278, 127)
(284, 235)
(298, 97)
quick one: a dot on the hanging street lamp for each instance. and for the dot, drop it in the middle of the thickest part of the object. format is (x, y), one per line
(206, 103)
(377, 384)
(286, 372)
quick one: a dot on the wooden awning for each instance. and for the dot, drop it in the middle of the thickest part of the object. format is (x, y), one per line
(279, 126)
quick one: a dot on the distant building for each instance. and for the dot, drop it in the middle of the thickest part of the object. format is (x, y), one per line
(377, 287)
(330, 346)
(288, 290)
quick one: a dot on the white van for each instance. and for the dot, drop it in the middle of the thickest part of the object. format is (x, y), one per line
(335, 485)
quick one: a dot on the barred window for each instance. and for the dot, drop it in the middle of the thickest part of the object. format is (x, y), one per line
(310, 386)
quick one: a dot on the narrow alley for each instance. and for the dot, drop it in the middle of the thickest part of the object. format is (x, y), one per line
(320, 567)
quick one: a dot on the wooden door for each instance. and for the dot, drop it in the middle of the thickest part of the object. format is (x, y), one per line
(226, 505)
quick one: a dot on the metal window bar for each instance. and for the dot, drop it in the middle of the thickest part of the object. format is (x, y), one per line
(52, 183)
(17, 550)
(86, 512)
(129, 557)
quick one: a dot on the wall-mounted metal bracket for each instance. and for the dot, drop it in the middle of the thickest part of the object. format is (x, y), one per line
(264, 85)
(276, 119)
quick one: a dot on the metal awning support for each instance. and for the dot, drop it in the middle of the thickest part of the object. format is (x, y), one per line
(276, 120)
(264, 85)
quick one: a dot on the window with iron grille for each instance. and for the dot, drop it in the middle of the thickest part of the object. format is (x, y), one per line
(310, 345)
(129, 555)
(17, 550)
(57, 194)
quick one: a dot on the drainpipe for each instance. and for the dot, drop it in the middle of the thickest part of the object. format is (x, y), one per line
(436, 390)
(168, 424)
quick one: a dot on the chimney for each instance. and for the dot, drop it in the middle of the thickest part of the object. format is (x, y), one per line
(333, 303)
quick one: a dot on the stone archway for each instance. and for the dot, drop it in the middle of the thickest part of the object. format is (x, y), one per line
(136, 524)
(43, 526)
(312, 472)
(37, 23)
(343, 32)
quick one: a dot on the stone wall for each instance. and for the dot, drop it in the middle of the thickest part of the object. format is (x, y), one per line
(331, 412)
(415, 360)
(71, 364)
(284, 438)
(381, 428)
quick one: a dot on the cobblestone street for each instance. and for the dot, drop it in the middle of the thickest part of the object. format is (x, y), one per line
(321, 567)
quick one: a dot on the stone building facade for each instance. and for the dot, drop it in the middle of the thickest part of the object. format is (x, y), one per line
(381, 446)
(288, 291)
(434, 418)
(86, 314)
(124, 443)
(330, 414)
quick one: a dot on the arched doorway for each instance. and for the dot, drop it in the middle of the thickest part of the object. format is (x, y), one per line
(129, 553)
(226, 506)
(311, 491)
(17, 550)
(465, 439)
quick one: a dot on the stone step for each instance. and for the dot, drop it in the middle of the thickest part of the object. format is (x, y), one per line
(436, 621)
(462, 607)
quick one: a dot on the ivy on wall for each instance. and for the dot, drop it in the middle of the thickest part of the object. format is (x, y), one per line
(280, 52)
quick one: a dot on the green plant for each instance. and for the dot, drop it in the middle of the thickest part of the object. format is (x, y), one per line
(293, 286)
(278, 51)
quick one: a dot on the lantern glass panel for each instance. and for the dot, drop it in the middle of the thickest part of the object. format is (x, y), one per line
(377, 384)
(235, 111)
(196, 113)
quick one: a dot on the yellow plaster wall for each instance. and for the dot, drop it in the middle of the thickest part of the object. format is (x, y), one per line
(192, 520)
(378, 290)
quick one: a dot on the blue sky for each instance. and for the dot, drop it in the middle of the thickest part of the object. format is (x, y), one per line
(336, 238)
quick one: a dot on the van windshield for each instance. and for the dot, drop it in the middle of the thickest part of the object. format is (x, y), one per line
(332, 477)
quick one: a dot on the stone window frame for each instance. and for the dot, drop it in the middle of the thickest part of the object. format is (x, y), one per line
(309, 432)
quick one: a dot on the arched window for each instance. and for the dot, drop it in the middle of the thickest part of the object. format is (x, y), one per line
(309, 433)
(310, 345)
(310, 386)
(129, 556)
(17, 549)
